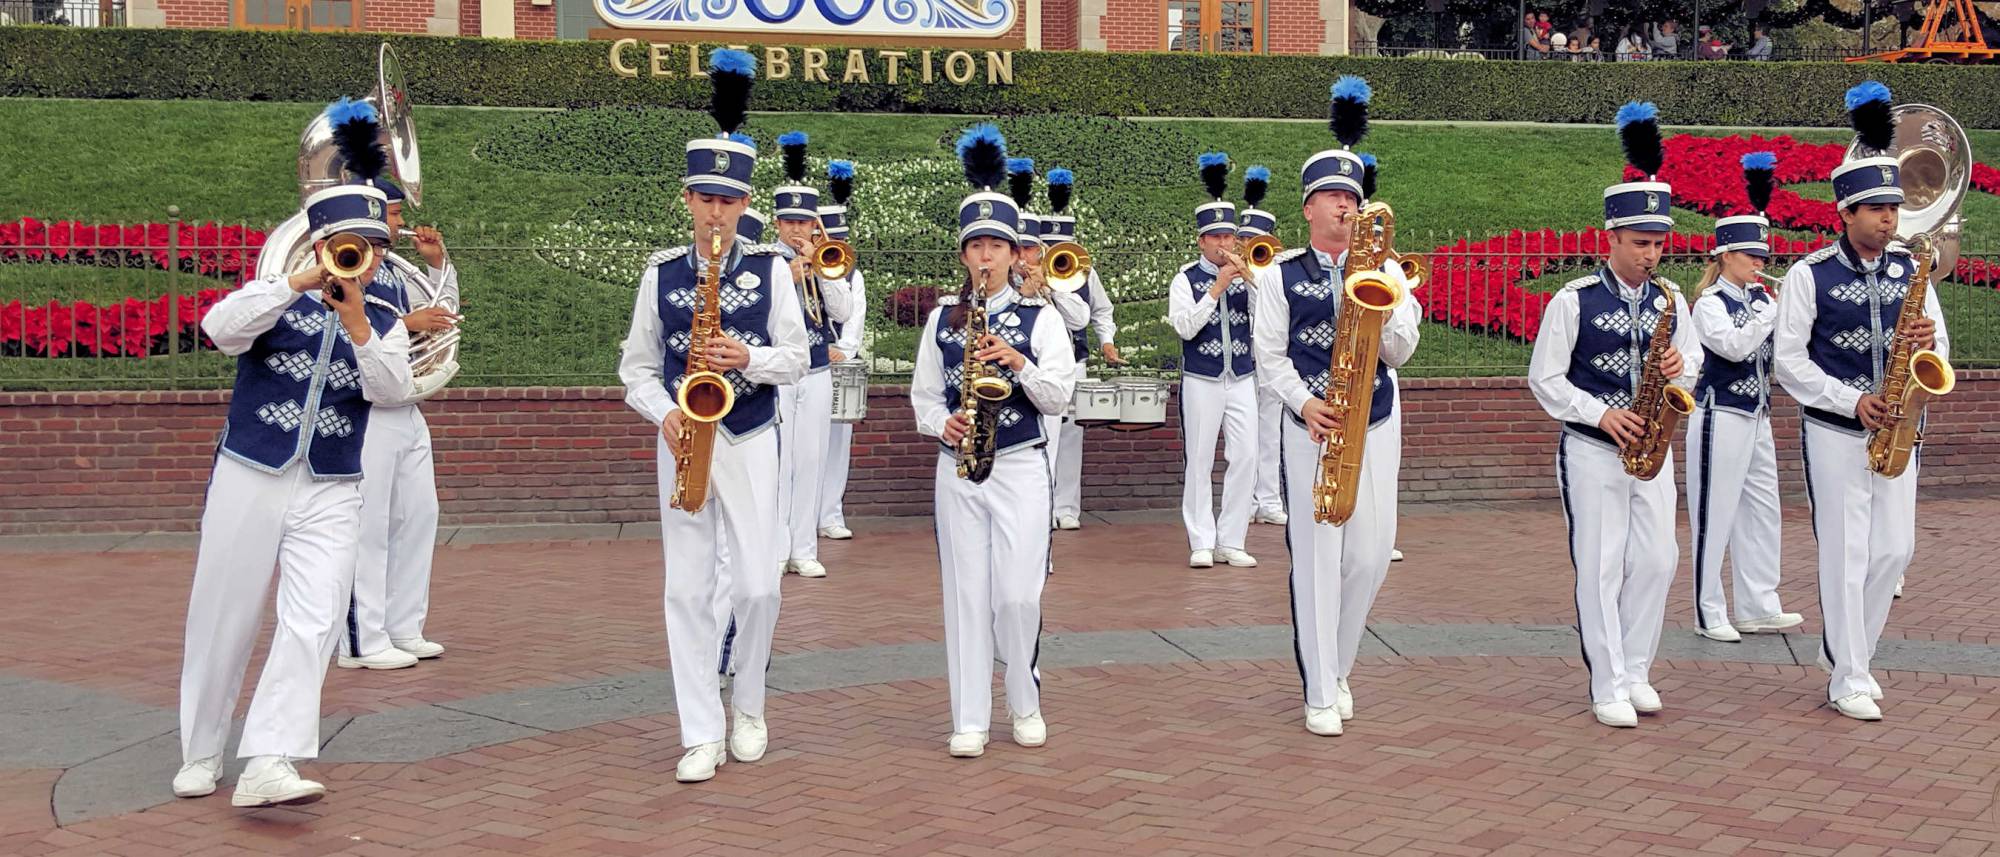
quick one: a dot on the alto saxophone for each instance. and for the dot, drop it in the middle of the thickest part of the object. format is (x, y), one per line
(1661, 404)
(705, 397)
(1915, 377)
(981, 389)
(1369, 296)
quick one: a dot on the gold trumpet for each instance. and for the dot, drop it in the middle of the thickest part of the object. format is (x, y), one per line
(345, 256)
(1066, 266)
(1256, 255)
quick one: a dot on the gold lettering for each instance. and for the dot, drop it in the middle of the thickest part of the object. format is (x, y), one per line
(927, 67)
(618, 62)
(659, 53)
(895, 60)
(857, 67)
(815, 70)
(777, 63)
(694, 62)
(1000, 67)
(958, 67)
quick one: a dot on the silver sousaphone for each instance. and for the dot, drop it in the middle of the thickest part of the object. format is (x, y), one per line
(433, 357)
(1934, 159)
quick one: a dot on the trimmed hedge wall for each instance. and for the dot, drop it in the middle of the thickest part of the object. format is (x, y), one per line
(259, 66)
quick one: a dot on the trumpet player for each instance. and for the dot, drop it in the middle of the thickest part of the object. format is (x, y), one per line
(846, 346)
(1004, 358)
(1732, 469)
(1592, 361)
(1208, 305)
(1298, 302)
(1057, 227)
(1031, 280)
(805, 409)
(722, 531)
(312, 355)
(1841, 309)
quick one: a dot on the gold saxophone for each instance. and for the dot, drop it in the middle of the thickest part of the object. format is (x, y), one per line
(1369, 296)
(705, 397)
(1661, 404)
(981, 389)
(1915, 376)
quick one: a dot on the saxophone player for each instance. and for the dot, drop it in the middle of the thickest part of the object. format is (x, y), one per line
(993, 492)
(1590, 364)
(1336, 570)
(737, 508)
(1833, 342)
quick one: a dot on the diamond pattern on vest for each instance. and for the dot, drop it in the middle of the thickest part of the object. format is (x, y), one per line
(285, 415)
(298, 364)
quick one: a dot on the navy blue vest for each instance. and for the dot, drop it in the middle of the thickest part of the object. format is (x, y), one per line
(745, 298)
(1314, 297)
(1203, 355)
(298, 394)
(1611, 340)
(1736, 385)
(1020, 423)
(1078, 344)
(1856, 320)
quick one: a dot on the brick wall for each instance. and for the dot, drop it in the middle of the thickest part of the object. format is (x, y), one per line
(1295, 27)
(108, 462)
(468, 17)
(1059, 25)
(534, 22)
(198, 13)
(1134, 25)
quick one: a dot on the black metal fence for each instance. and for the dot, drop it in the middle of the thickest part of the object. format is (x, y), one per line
(63, 13)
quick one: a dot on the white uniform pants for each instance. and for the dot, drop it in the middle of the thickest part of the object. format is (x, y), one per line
(1732, 488)
(833, 483)
(805, 415)
(399, 520)
(1208, 407)
(253, 522)
(1866, 526)
(736, 525)
(1336, 571)
(1621, 542)
(1270, 416)
(993, 551)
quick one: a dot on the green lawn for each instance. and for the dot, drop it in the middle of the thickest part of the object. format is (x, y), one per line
(550, 215)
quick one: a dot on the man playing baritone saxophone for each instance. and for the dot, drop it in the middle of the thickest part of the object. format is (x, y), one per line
(1837, 315)
(1336, 569)
(763, 345)
(1588, 366)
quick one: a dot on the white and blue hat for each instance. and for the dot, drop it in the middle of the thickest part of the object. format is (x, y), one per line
(1750, 233)
(1254, 221)
(1646, 206)
(985, 213)
(355, 208)
(840, 182)
(797, 200)
(1059, 225)
(1871, 179)
(1021, 188)
(1217, 215)
(721, 165)
(1340, 169)
(750, 225)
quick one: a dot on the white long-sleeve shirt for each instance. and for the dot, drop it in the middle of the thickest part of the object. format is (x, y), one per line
(1048, 379)
(236, 321)
(1798, 307)
(642, 362)
(1548, 369)
(1718, 332)
(444, 283)
(838, 296)
(852, 328)
(1079, 312)
(1271, 329)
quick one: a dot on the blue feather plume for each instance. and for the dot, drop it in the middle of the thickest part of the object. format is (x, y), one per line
(983, 154)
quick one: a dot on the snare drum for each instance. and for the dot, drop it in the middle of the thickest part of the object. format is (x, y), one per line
(1142, 404)
(1095, 403)
(850, 391)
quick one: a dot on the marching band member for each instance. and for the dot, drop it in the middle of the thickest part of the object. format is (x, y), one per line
(1269, 500)
(1056, 228)
(764, 346)
(993, 501)
(1031, 282)
(1837, 317)
(1208, 305)
(399, 509)
(311, 355)
(847, 346)
(1586, 369)
(1732, 468)
(805, 409)
(1369, 173)
(1335, 570)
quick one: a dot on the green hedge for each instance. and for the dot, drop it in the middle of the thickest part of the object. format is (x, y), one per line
(257, 66)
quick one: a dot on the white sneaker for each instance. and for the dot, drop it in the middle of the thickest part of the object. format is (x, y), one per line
(1270, 516)
(1069, 522)
(423, 649)
(1236, 557)
(1721, 633)
(197, 778)
(1030, 731)
(1644, 698)
(390, 658)
(749, 738)
(1899, 587)
(967, 745)
(1874, 689)
(836, 532)
(1858, 706)
(1343, 699)
(1323, 721)
(699, 763)
(1201, 559)
(1619, 714)
(785, 566)
(1771, 623)
(272, 781)
(1395, 555)
(808, 568)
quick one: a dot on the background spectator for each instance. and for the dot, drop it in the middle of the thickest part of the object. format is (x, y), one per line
(1632, 48)
(1665, 39)
(1760, 46)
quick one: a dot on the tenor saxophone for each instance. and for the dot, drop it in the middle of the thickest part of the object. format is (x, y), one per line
(1661, 404)
(1915, 376)
(705, 397)
(981, 389)
(1369, 295)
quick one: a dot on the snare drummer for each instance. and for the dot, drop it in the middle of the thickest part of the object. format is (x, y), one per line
(1209, 306)
(846, 347)
(1068, 458)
